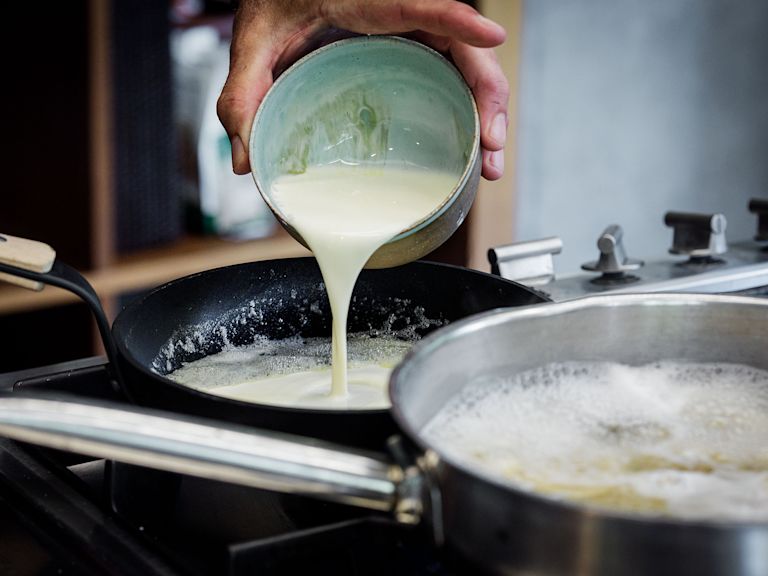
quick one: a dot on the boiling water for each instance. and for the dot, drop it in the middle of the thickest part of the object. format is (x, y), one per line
(345, 213)
(683, 440)
(295, 372)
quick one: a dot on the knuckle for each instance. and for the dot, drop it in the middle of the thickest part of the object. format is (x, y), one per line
(463, 11)
(495, 88)
(229, 105)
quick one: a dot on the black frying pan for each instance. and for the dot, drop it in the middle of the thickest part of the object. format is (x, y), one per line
(197, 315)
(280, 299)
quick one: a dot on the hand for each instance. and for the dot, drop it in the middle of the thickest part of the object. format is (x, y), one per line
(269, 35)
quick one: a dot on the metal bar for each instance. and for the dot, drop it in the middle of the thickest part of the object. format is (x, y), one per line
(211, 450)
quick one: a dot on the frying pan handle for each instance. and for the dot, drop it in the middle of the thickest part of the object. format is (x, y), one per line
(33, 264)
(207, 449)
(27, 254)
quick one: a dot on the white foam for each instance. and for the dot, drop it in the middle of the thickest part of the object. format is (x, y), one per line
(296, 372)
(684, 440)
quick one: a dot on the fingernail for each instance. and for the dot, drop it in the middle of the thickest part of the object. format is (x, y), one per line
(499, 128)
(497, 160)
(239, 157)
(485, 20)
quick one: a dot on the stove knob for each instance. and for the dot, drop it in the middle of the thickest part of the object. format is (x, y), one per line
(528, 262)
(700, 236)
(760, 207)
(613, 261)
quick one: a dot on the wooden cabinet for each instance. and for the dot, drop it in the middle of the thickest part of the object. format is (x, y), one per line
(492, 216)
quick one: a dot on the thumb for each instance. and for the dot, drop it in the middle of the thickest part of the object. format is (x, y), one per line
(250, 76)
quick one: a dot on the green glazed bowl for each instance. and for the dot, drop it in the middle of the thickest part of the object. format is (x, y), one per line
(376, 100)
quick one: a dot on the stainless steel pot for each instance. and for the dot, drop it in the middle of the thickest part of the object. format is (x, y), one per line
(503, 528)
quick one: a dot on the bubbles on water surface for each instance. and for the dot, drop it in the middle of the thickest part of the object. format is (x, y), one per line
(687, 440)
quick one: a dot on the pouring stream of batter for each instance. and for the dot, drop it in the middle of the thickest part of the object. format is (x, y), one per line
(345, 213)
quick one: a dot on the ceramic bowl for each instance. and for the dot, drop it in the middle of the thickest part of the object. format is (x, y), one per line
(376, 100)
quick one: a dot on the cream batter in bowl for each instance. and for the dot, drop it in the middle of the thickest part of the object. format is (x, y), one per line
(381, 102)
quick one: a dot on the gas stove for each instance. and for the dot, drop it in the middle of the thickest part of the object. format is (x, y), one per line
(62, 513)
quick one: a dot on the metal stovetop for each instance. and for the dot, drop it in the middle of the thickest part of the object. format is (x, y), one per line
(700, 259)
